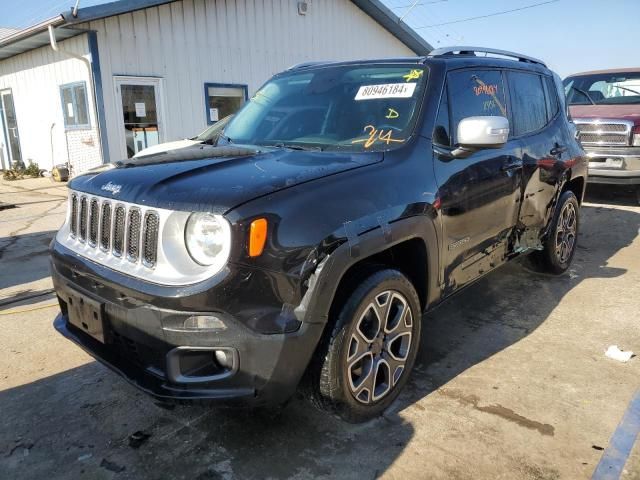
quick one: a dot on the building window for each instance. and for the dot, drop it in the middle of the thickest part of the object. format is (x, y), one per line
(74, 105)
(222, 100)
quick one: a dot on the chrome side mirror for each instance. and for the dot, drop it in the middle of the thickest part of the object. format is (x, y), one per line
(476, 133)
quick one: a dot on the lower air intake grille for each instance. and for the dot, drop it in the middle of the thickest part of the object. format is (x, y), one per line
(118, 231)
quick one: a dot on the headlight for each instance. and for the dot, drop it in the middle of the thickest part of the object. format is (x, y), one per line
(208, 239)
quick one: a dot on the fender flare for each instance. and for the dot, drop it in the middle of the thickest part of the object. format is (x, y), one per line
(323, 283)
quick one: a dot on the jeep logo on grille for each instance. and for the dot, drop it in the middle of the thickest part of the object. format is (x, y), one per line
(111, 187)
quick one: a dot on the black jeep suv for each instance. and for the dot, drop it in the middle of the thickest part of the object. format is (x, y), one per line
(342, 201)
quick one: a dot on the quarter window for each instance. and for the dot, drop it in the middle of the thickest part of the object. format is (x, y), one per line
(552, 98)
(441, 134)
(475, 93)
(74, 105)
(528, 102)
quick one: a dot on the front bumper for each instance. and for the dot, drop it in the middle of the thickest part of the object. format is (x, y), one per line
(614, 165)
(148, 345)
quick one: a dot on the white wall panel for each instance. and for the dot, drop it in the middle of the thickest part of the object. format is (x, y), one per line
(190, 42)
(34, 78)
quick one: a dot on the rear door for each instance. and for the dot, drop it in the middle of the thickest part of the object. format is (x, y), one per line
(480, 194)
(536, 121)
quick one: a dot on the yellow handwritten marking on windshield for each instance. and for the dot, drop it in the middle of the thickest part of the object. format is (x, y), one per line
(413, 75)
(376, 135)
(392, 113)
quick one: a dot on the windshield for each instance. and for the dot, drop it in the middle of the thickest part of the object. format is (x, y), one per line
(212, 133)
(357, 108)
(603, 89)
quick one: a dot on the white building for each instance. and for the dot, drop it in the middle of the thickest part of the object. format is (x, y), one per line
(100, 85)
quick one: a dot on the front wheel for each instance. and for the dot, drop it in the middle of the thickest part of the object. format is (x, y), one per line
(366, 359)
(560, 244)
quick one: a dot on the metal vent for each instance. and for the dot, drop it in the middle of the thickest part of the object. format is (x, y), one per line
(597, 127)
(105, 226)
(118, 231)
(133, 236)
(74, 215)
(94, 219)
(83, 218)
(150, 239)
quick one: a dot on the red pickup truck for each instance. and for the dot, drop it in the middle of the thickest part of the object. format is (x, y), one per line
(605, 106)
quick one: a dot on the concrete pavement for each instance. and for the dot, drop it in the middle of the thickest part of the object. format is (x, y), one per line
(511, 380)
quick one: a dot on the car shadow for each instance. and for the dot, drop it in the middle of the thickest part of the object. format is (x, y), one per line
(79, 422)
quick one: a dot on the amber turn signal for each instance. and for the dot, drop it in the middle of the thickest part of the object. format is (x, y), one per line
(257, 237)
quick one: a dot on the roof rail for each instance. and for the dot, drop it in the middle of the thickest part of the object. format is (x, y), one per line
(473, 50)
(304, 64)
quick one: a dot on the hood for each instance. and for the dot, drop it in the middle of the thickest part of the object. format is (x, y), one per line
(619, 112)
(224, 179)
(165, 147)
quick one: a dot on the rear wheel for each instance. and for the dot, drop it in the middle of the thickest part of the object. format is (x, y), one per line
(560, 244)
(366, 359)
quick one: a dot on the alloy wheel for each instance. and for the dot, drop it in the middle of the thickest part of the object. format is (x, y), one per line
(379, 347)
(566, 232)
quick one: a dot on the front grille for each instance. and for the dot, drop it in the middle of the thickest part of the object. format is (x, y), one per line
(83, 218)
(115, 230)
(74, 215)
(118, 231)
(133, 237)
(150, 239)
(105, 226)
(604, 133)
(94, 217)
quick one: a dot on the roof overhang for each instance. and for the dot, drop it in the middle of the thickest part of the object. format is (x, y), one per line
(37, 35)
(34, 37)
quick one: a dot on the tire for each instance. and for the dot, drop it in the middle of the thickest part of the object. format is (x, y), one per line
(351, 374)
(638, 195)
(559, 246)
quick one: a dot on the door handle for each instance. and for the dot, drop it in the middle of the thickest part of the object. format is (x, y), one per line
(558, 150)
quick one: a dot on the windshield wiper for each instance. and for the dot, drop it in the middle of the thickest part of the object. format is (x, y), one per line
(628, 89)
(296, 147)
(579, 90)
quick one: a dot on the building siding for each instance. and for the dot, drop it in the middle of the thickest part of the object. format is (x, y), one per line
(192, 42)
(34, 78)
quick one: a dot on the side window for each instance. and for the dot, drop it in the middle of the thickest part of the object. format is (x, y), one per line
(441, 135)
(74, 105)
(475, 93)
(527, 102)
(552, 98)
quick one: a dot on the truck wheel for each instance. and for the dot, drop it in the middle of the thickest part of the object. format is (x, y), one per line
(366, 359)
(560, 244)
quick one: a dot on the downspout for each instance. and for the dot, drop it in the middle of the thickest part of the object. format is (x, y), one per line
(87, 62)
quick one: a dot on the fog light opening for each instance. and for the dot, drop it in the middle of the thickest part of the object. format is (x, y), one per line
(224, 359)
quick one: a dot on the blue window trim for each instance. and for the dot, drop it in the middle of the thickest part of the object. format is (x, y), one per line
(75, 105)
(207, 85)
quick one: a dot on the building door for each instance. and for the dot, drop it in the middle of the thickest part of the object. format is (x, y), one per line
(139, 102)
(9, 137)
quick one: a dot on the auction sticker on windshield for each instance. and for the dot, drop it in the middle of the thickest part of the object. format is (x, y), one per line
(387, 90)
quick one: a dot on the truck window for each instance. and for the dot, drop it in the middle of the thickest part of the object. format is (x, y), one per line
(528, 102)
(475, 93)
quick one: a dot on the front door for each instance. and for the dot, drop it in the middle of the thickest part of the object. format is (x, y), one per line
(9, 136)
(141, 113)
(480, 194)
